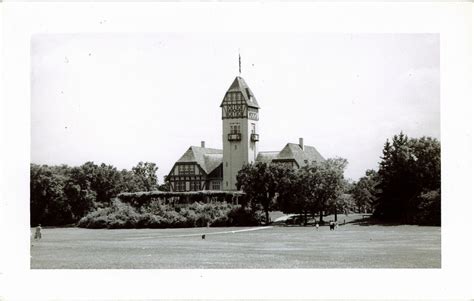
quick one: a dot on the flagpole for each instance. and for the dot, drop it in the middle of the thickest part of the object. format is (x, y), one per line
(240, 67)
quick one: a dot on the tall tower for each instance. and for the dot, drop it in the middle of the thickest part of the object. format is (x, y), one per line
(239, 130)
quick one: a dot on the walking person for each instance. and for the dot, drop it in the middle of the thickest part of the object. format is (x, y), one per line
(38, 232)
(317, 226)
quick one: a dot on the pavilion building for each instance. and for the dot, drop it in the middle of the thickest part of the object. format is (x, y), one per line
(202, 168)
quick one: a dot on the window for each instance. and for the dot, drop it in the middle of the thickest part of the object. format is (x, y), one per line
(194, 185)
(215, 185)
(253, 128)
(186, 169)
(180, 186)
(252, 113)
(234, 128)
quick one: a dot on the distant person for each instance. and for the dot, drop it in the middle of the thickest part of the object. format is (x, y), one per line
(332, 225)
(38, 232)
(316, 226)
(203, 236)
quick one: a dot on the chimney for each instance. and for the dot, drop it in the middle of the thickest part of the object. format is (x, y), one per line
(301, 143)
(203, 143)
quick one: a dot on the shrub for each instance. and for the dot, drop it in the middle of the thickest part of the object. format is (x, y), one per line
(429, 208)
(157, 215)
(241, 216)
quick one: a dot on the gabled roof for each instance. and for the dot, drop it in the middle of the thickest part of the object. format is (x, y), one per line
(207, 158)
(239, 85)
(304, 157)
(210, 158)
(212, 161)
(266, 157)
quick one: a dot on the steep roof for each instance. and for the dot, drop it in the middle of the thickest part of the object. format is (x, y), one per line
(207, 158)
(266, 157)
(212, 161)
(210, 158)
(293, 151)
(239, 85)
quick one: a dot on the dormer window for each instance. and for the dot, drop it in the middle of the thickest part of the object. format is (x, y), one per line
(247, 90)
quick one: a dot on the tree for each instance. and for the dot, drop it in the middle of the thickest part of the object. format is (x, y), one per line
(48, 203)
(260, 182)
(128, 181)
(429, 208)
(166, 186)
(409, 169)
(364, 191)
(145, 174)
(80, 199)
(322, 183)
(61, 194)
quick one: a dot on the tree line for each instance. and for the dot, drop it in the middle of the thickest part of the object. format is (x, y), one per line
(408, 182)
(406, 188)
(61, 195)
(312, 190)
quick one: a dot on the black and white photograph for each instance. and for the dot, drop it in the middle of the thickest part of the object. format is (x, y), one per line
(232, 150)
(235, 150)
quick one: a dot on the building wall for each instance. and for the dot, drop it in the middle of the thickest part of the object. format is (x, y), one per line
(237, 153)
(187, 177)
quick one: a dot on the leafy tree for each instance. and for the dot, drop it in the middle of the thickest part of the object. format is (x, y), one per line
(48, 203)
(310, 189)
(324, 183)
(166, 186)
(261, 184)
(80, 199)
(290, 192)
(429, 208)
(145, 174)
(61, 194)
(128, 181)
(409, 169)
(364, 191)
(345, 203)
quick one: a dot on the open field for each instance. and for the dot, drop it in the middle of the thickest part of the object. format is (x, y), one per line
(350, 246)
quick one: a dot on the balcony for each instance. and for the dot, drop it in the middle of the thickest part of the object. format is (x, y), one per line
(234, 137)
(254, 137)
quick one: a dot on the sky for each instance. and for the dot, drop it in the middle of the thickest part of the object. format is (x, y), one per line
(124, 98)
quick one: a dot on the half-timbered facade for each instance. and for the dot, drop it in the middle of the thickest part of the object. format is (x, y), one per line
(201, 168)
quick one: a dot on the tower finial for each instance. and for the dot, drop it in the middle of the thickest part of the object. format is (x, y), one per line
(240, 67)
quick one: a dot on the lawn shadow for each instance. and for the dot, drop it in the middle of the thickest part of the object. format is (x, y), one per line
(371, 221)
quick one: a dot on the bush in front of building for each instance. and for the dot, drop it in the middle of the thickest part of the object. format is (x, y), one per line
(243, 216)
(157, 215)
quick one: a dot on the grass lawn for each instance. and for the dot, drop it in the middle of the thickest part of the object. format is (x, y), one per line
(350, 246)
